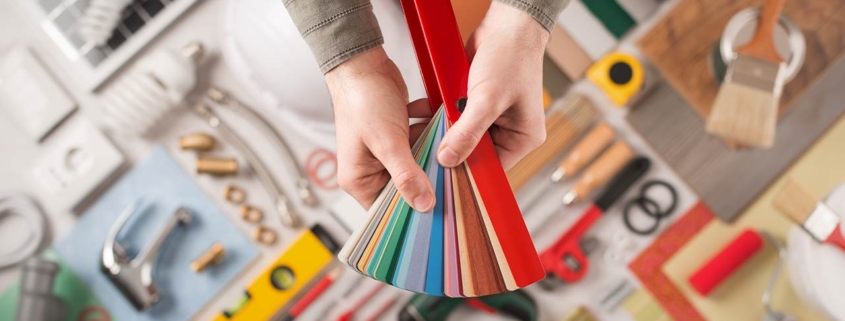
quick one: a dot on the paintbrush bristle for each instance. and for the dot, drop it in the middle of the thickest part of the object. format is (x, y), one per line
(745, 109)
(795, 201)
(744, 114)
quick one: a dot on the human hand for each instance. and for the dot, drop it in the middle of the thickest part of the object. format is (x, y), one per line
(371, 110)
(504, 90)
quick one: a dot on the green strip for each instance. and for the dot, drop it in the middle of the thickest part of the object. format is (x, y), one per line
(611, 15)
(386, 266)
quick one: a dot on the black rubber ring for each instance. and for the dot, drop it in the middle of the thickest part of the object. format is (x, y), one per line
(641, 202)
(659, 214)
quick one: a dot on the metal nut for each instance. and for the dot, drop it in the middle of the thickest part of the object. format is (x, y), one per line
(251, 214)
(264, 235)
(234, 194)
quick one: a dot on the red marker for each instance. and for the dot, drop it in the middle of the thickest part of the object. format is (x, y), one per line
(346, 316)
(312, 294)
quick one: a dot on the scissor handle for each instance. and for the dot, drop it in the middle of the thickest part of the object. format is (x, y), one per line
(567, 262)
(568, 247)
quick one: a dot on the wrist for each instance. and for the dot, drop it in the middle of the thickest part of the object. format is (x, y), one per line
(519, 21)
(367, 62)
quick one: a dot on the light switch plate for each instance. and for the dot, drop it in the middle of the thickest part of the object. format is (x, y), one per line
(30, 95)
(75, 162)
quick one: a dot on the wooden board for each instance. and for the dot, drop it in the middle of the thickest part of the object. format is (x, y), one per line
(727, 180)
(679, 45)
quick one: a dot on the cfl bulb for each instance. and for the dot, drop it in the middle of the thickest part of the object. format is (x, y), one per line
(100, 19)
(158, 84)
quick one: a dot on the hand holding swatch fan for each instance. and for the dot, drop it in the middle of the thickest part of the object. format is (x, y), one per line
(474, 242)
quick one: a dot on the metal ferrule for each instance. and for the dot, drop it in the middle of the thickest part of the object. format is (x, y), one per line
(821, 223)
(558, 175)
(570, 197)
(757, 73)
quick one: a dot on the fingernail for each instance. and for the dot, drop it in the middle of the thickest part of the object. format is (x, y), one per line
(424, 202)
(447, 157)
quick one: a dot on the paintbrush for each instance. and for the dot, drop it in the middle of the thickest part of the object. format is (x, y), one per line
(814, 216)
(745, 109)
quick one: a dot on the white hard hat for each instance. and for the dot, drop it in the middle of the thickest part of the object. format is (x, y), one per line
(263, 48)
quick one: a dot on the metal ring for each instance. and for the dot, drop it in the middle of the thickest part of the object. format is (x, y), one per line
(234, 194)
(796, 40)
(264, 235)
(251, 214)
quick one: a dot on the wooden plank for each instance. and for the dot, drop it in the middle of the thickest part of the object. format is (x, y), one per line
(679, 45)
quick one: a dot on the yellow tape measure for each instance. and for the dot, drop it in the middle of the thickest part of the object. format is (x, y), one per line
(619, 75)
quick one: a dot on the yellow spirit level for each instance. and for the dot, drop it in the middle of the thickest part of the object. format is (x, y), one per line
(301, 263)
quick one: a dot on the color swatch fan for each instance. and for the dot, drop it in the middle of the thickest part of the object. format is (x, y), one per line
(474, 242)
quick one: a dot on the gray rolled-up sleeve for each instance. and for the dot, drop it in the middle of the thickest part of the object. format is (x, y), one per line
(544, 11)
(336, 30)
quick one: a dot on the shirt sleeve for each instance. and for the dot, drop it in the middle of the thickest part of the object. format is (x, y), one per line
(337, 30)
(544, 11)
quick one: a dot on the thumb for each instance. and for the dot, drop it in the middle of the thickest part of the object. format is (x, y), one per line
(465, 134)
(411, 181)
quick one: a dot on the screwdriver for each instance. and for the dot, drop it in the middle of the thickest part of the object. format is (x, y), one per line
(584, 152)
(607, 165)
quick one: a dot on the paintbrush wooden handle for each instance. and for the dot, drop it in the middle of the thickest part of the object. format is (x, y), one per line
(763, 44)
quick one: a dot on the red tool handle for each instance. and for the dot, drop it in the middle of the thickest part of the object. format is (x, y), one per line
(565, 259)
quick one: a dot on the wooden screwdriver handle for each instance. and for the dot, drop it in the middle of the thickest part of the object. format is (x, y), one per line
(587, 149)
(763, 44)
(608, 164)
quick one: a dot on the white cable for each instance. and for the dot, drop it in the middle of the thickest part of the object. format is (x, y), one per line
(23, 207)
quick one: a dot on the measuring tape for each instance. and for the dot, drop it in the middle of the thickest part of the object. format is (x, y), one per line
(621, 76)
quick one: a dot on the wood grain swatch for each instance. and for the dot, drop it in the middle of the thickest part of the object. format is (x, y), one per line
(727, 180)
(679, 45)
(486, 276)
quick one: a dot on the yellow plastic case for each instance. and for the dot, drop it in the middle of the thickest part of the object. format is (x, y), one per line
(621, 76)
